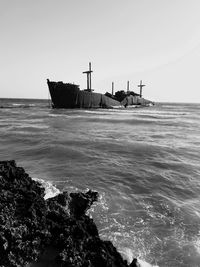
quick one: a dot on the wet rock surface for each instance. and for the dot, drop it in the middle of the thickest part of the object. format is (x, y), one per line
(30, 226)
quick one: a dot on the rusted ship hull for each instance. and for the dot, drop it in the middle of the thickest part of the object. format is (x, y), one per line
(130, 101)
(65, 95)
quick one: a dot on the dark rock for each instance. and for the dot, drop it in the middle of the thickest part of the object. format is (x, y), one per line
(22, 216)
(81, 202)
(30, 227)
(135, 263)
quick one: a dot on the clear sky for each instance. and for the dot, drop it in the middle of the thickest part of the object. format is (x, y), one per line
(157, 41)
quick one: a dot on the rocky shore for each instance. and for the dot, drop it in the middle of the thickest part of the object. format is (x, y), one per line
(53, 232)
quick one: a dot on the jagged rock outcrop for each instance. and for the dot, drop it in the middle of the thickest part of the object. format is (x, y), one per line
(29, 225)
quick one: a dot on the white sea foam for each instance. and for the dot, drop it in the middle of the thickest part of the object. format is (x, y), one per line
(50, 189)
(17, 104)
(145, 264)
(128, 255)
(99, 206)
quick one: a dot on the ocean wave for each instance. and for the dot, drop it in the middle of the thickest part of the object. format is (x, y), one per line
(50, 189)
(68, 116)
(17, 106)
(145, 264)
(30, 126)
(23, 105)
(128, 255)
(100, 205)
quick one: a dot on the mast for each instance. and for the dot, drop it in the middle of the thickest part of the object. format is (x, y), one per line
(141, 86)
(128, 87)
(89, 81)
(112, 88)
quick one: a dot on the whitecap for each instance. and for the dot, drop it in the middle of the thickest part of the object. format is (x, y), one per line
(128, 255)
(145, 264)
(99, 206)
(196, 244)
(50, 189)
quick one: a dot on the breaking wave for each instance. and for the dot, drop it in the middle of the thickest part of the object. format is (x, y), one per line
(50, 189)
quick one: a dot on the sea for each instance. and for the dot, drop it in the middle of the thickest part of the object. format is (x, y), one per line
(144, 162)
